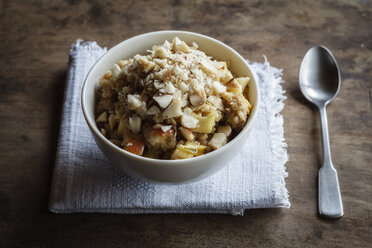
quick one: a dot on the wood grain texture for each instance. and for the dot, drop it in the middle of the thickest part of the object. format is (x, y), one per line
(34, 44)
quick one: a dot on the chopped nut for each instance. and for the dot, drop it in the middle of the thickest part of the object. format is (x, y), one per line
(173, 110)
(147, 65)
(103, 131)
(135, 124)
(208, 68)
(116, 72)
(178, 45)
(108, 75)
(196, 100)
(189, 121)
(133, 102)
(218, 88)
(169, 88)
(112, 121)
(161, 62)
(184, 87)
(102, 117)
(165, 128)
(163, 101)
(121, 128)
(122, 63)
(153, 110)
(216, 101)
(162, 75)
(158, 84)
(161, 52)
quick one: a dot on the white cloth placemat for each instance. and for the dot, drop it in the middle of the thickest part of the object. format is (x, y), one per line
(85, 181)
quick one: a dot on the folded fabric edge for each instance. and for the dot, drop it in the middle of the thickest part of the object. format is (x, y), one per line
(234, 211)
(90, 47)
(149, 211)
(278, 143)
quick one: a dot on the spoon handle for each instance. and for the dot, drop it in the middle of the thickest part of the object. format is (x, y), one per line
(330, 202)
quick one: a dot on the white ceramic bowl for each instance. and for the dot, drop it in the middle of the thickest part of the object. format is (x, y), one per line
(174, 171)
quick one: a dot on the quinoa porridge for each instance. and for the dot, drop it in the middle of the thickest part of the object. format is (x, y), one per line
(173, 103)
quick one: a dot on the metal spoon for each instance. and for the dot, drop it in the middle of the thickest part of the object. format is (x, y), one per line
(320, 82)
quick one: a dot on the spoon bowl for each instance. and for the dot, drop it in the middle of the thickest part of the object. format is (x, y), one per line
(320, 78)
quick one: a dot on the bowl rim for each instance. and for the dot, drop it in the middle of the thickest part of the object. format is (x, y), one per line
(165, 162)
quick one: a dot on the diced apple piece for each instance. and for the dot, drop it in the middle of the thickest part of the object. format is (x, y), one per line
(243, 81)
(221, 65)
(218, 140)
(159, 139)
(102, 117)
(187, 133)
(233, 86)
(188, 150)
(225, 77)
(225, 129)
(249, 105)
(180, 153)
(206, 123)
(134, 145)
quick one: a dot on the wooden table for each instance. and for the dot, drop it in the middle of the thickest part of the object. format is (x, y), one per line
(35, 37)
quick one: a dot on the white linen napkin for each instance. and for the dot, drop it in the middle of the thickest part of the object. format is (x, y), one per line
(85, 181)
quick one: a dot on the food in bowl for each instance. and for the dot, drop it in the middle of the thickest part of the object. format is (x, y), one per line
(173, 103)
